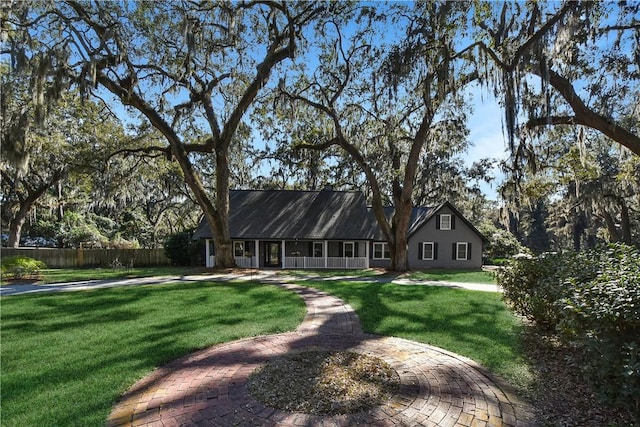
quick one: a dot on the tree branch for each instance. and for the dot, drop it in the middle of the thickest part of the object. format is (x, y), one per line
(146, 150)
(318, 147)
(538, 34)
(619, 28)
(552, 120)
(586, 116)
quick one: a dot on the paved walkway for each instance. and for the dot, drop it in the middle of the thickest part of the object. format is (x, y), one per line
(266, 276)
(208, 388)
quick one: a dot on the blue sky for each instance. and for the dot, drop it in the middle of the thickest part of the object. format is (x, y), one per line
(487, 138)
(485, 134)
(485, 126)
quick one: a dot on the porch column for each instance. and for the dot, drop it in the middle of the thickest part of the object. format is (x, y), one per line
(326, 253)
(207, 253)
(256, 253)
(283, 255)
(366, 254)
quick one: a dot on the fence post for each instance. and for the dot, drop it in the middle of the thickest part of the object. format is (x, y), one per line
(80, 257)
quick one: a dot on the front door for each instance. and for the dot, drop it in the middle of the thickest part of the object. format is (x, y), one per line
(272, 254)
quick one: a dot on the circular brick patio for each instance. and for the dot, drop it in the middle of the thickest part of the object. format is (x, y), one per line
(208, 388)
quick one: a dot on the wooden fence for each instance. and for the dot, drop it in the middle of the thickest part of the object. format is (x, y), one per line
(76, 258)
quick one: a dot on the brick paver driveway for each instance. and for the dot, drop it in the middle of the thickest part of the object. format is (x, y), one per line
(208, 388)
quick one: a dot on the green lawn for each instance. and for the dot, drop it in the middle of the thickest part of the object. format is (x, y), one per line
(71, 275)
(438, 275)
(66, 358)
(330, 273)
(462, 276)
(474, 324)
(58, 275)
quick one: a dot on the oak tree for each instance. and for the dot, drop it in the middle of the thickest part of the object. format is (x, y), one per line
(191, 70)
(384, 101)
(564, 63)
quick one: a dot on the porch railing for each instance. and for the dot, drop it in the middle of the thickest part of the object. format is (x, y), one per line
(337, 263)
(241, 261)
(246, 262)
(329, 262)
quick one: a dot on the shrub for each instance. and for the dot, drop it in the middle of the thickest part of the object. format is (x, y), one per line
(534, 286)
(18, 267)
(179, 248)
(592, 299)
(602, 318)
(500, 242)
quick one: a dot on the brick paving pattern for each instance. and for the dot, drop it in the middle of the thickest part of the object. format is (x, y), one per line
(208, 388)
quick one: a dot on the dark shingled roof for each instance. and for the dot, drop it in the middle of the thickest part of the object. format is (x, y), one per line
(288, 214)
(419, 215)
(311, 215)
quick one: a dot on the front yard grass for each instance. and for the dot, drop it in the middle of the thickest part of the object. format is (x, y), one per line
(474, 324)
(461, 276)
(59, 275)
(434, 275)
(67, 357)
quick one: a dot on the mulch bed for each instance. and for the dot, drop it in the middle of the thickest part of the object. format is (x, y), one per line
(324, 383)
(560, 393)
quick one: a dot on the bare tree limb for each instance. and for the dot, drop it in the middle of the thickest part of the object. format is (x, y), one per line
(522, 49)
(165, 151)
(584, 115)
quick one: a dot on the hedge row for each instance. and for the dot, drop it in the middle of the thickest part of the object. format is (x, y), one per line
(592, 300)
(19, 267)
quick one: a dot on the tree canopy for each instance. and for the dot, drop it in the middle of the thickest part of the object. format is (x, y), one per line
(564, 63)
(376, 97)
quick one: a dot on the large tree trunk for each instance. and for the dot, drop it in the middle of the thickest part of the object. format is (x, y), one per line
(626, 222)
(400, 256)
(614, 236)
(218, 220)
(15, 228)
(400, 227)
(224, 248)
(217, 217)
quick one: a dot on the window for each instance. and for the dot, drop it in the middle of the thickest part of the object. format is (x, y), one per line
(429, 251)
(381, 251)
(238, 248)
(445, 222)
(461, 250)
(349, 249)
(318, 249)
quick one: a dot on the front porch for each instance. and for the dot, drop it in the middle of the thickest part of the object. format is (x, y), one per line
(296, 254)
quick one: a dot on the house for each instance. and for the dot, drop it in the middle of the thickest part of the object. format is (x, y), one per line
(336, 230)
(438, 237)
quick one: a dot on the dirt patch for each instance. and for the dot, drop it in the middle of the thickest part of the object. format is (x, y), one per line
(324, 383)
(560, 393)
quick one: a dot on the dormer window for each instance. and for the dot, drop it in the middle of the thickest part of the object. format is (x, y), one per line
(445, 222)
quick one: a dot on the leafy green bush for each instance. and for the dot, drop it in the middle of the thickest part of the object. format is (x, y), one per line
(499, 262)
(602, 317)
(592, 299)
(533, 286)
(500, 242)
(18, 267)
(180, 248)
